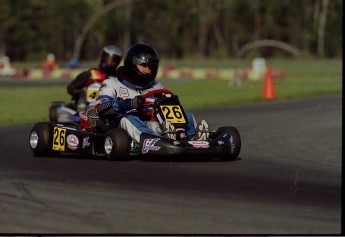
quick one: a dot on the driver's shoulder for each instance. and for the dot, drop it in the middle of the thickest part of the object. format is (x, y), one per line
(111, 80)
(157, 85)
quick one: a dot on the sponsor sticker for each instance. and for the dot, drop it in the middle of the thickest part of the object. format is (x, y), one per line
(72, 141)
(124, 92)
(199, 144)
(149, 145)
(86, 142)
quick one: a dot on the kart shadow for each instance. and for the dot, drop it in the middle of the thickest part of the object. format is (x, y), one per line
(71, 156)
(147, 159)
(190, 159)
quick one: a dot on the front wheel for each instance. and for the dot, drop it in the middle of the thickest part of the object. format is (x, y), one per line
(39, 140)
(117, 144)
(235, 142)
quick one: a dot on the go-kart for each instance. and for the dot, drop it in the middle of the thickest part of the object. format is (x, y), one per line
(99, 137)
(60, 112)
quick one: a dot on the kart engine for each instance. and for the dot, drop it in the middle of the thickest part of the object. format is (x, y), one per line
(88, 119)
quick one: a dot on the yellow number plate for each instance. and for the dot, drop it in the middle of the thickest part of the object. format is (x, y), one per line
(59, 139)
(91, 94)
(173, 113)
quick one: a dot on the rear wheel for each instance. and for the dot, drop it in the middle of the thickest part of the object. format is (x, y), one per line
(53, 114)
(117, 144)
(39, 140)
(235, 142)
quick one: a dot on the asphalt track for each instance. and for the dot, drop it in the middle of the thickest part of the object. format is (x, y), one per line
(287, 180)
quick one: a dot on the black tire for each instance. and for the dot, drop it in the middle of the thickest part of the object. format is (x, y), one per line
(117, 144)
(39, 140)
(53, 114)
(236, 141)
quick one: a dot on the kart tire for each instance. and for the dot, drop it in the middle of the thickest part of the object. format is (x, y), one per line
(236, 139)
(117, 144)
(39, 140)
(53, 114)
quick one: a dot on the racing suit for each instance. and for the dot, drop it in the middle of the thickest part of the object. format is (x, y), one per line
(84, 79)
(115, 98)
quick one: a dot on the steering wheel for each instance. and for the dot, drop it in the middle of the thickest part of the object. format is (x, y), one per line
(157, 92)
(149, 101)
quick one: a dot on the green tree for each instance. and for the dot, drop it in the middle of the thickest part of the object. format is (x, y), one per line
(178, 28)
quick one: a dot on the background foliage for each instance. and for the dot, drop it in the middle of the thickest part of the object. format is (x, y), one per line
(177, 28)
(302, 78)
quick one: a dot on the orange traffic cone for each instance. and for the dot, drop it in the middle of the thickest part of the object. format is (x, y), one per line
(268, 91)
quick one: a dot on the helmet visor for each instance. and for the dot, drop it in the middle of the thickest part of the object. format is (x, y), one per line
(148, 59)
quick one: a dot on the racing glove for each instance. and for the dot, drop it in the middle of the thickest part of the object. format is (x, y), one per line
(138, 102)
(121, 106)
(129, 104)
(105, 108)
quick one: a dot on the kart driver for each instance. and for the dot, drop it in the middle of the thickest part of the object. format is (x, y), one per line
(121, 96)
(110, 59)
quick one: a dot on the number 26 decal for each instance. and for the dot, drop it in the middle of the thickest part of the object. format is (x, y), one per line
(173, 113)
(59, 139)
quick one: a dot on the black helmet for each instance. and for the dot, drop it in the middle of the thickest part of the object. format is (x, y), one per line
(141, 54)
(113, 53)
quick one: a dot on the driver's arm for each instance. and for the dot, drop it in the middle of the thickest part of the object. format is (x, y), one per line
(106, 107)
(76, 86)
(107, 102)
